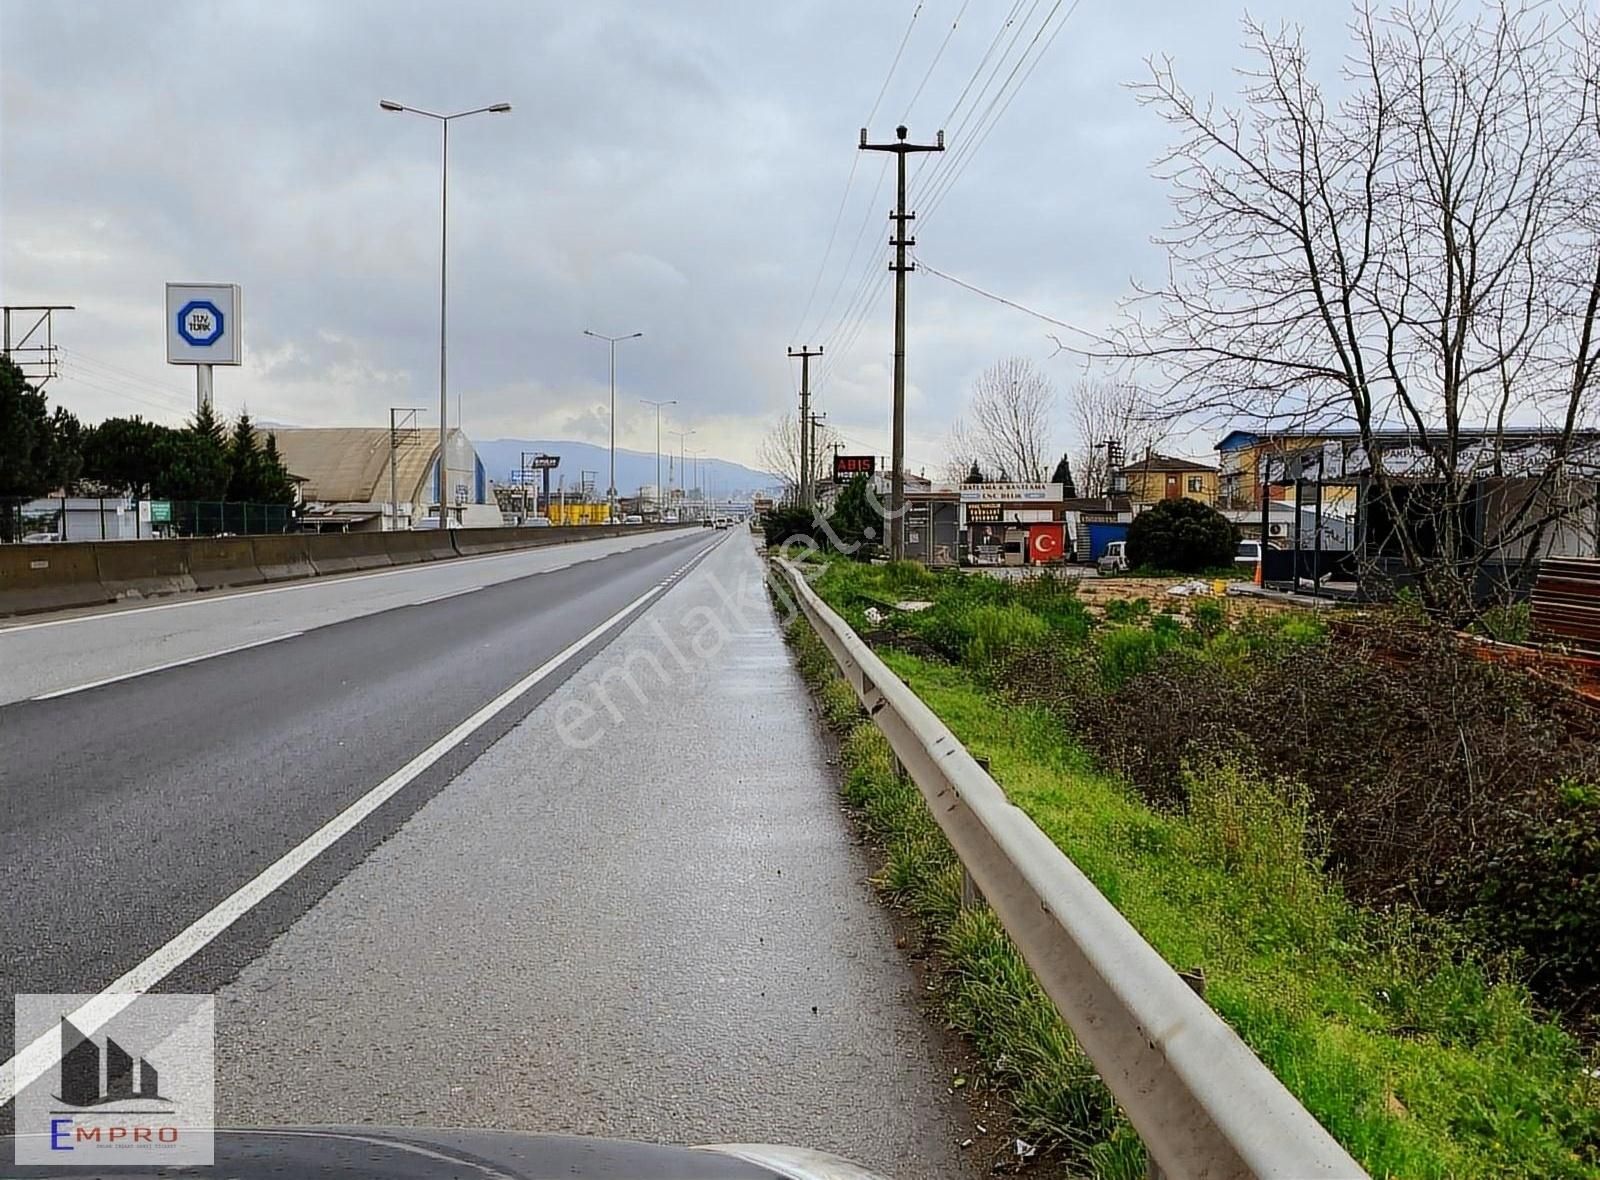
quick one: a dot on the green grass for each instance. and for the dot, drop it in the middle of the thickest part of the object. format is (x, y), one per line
(1422, 1060)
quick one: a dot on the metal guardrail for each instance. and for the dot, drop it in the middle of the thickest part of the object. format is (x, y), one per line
(1204, 1105)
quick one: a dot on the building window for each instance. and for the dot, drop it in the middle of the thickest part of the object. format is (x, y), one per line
(1196, 484)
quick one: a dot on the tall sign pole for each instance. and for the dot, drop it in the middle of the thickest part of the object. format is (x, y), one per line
(897, 481)
(203, 329)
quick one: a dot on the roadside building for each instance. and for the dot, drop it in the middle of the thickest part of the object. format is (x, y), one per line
(1165, 477)
(1328, 481)
(345, 478)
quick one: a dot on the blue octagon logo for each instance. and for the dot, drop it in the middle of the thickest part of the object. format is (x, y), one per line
(200, 323)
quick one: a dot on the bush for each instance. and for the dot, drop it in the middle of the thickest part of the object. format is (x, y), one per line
(1182, 535)
(1538, 888)
(787, 524)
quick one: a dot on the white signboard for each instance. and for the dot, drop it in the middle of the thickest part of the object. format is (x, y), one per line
(1013, 492)
(203, 324)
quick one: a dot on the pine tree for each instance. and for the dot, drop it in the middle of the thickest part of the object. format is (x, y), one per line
(1063, 476)
(244, 462)
(277, 486)
(974, 476)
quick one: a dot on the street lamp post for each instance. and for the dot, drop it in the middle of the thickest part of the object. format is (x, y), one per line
(444, 122)
(701, 501)
(659, 495)
(611, 492)
(683, 474)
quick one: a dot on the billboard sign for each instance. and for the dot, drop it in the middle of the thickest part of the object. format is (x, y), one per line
(1011, 492)
(542, 462)
(986, 513)
(204, 324)
(847, 467)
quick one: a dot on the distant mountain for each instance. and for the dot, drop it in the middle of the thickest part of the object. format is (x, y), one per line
(634, 468)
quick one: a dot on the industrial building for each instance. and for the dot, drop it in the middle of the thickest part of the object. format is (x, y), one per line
(360, 479)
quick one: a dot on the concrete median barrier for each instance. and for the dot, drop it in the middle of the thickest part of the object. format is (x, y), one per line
(282, 558)
(216, 563)
(48, 577)
(88, 573)
(142, 570)
(408, 548)
(343, 553)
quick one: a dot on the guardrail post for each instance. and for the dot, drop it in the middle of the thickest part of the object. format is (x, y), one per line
(971, 895)
(1196, 979)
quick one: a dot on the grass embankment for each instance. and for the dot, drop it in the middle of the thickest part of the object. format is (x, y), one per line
(1418, 1055)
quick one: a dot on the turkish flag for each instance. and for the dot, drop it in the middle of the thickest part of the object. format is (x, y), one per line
(1047, 542)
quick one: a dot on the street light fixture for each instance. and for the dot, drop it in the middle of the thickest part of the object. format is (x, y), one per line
(611, 492)
(444, 122)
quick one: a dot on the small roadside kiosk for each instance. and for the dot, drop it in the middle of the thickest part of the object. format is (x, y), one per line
(1014, 524)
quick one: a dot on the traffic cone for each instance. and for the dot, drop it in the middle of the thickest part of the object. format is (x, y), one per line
(1259, 563)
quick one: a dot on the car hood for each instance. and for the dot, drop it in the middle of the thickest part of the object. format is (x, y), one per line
(412, 1153)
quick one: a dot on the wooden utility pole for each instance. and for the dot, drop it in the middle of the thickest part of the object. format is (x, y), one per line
(805, 353)
(812, 422)
(897, 482)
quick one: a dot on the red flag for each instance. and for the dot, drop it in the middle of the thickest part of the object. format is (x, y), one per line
(1047, 542)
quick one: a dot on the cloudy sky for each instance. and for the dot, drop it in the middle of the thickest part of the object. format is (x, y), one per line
(675, 167)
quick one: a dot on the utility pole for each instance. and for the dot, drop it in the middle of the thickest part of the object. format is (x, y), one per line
(812, 423)
(405, 423)
(805, 353)
(897, 483)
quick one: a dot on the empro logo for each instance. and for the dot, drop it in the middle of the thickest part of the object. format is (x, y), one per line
(130, 1074)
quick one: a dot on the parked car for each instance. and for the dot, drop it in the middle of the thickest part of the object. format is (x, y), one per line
(1115, 559)
(633, 518)
(1249, 554)
(538, 522)
(40, 538)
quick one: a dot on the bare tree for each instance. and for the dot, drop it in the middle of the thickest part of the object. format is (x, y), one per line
(1102, 411)
(1422, 256)
(780, 453)
(1010, 427)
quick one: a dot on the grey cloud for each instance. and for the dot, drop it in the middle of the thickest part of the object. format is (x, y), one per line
(669, 167)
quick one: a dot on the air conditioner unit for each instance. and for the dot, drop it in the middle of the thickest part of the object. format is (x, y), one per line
(1277, 530)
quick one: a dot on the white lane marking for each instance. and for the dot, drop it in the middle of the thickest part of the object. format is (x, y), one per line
(340, 579)
(449, 594)
(42, 1054)
(210, 655)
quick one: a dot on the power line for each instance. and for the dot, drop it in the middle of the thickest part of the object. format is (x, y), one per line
(916, 12)
(127, 376)
(906, 118)
(122, 393)
(1011, 303)
(855, 161)
(977, 70)
(970, 149)
(855, 250)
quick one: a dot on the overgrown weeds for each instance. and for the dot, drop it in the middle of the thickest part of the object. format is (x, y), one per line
(1406, 1032)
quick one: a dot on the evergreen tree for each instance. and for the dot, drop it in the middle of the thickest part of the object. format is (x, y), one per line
(855, 521)
(1063, 476)
(974, 476)
(245, 474)
(277, 486)
(38, 449)
(193, 463)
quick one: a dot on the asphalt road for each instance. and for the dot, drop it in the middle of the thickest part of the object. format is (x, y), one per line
(621, 901)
